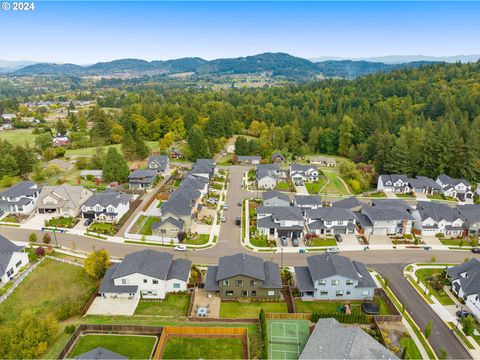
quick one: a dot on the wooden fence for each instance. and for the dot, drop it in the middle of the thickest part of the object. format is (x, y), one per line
(295, 316)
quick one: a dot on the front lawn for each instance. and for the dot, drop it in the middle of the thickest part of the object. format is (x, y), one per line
(145, 224)
(173, 305)
(424, 275)
(283, 186)
(441, 197)
(325, 306)
(216, 186)
(377, 194)
(201, 239)
(239, 310)
(103, 228)
(315, 186)
(321, 242)
(133, 347)
(203, 348)
(10, 219)
(63, 222)
(52, 288)
(405, 196)
(456, 242)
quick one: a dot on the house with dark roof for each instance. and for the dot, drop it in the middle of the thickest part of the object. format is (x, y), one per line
(20, 198)
(205, 168)
(334, 341)
(106, 206)
(330, 221)
(267, 176)
(323, 161)
(100, 353)
(249, 160)
(397, 183)
(350, 203)
(168, 229)
(389, 218)
(305, 202)
(62, 200)
(275, 198)
(159, 163)
(471, 218)
(277, 158)
(142, 179)
(12, 259)
(176, 154)
(301, 173)
(146, 274)
(432, 218)
(424, 185)
(278, 221)
(244, 276)
(457, 188)
(334, 277)
(466, 284)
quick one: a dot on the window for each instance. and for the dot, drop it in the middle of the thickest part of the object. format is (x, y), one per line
(339, 293)
(145, 281)
(328, 223)
(124, 281)
(226, 283)
(244, 293)
(229, 293)
(239, 283)
(349, 282)
(254, 292)
(323, 292)
(155, 282)
(18, 263)
(365, 292)
(335, 282)
(348, 292)
(322, 282)
(176, 286)
(271, 293)
(253, 283)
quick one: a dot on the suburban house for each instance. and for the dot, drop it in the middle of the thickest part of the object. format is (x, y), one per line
(168, 228)
(277, 221)
(332, 340)
(12, 259)
(142, 179)
(385, 220)
(397, 183)
(425, 185)
(334, 277)
(330, 221)
(350, 203)
(60, 141)
(457, 188)
(244, 276)
(146, 274)
(277, 158)
(432, 218)
(100, 353)
(323, 161)
(8, 117)
(267, 176)
(249, 160)
(108, 206)
(302, 173)
(307, 201)
(205, 168)
(176, 154)
(62, 200)
(471, 218)
(96, 174)
(466, 284)
(20, 198)
(275, 198)
(159, 163)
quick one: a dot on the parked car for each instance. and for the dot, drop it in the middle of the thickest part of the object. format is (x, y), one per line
(238, 221)
(284, 240)
(88, 222)
(338, 237)
(476, 250)
(295, 242)
(463, 313)
(223, 218)
(225, 207)
(180, 248)
(333, 250)
(239, 203)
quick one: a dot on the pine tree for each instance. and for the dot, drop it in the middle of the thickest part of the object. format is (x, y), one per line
(115, 167)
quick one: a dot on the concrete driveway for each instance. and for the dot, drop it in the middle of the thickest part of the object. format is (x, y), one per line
(301, 190)
(379, 240)
(348, 240)
(113, 306)
(390, 195)
(38, 220)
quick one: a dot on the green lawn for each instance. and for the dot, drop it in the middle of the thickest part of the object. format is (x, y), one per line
(455, 242)
(377, 194)
(103, 228)
(203, 348)
(63, 222)
(259, 242)
(314, 187)
(282, 186)
(325, 306)
(173, 305)
(133, 347)
(335, 185)
(412, 349)
(201, 239)
(50, 289)
(146, 223)
(235, 309)
(323, 242)
(384, 308)
(405, 196)
(423, 275)
(89, 151)
(18, 137)
(441, 197)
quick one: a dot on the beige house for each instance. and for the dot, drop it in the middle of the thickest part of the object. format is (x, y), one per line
(62, 200)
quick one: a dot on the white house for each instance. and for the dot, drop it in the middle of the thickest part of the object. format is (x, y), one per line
(302, 173)
(277, 221)
(146, 274)
(108, 206)
(159, 163)
(330, 221)
(397, 183)
(20, 198)
(388, 219)
(12, 259)
(433, 218)
(275, 198)
(334, 277)
(457, 188)
(267, 176)
(465, 283)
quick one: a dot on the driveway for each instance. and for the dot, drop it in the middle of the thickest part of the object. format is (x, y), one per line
(390, 195)
(421, 196)
(38, 221)
(379, 240)
(301, 190)
(113, 306)
(348, 240)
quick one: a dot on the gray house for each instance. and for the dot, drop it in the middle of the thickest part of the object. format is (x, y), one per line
(330, 221)
(425, 185)
(397, 183)
(20, 198)
(267, 176)
(332, 340)
(457, 188)
(433, 218)
(334, 277)
(249, 160)
(471, 216)
(385, 220)
(275, 198)
(277, 221)
(308, 201)
(159, 163)
(142, 179)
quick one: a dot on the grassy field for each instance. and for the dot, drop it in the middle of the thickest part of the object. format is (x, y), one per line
(314, 187)
(203, 348)
(173, 305)
(47, 289)
(18, 137)
(89, 151)
(335, 185)
(423, 275)
(234, 309)
(133, 347)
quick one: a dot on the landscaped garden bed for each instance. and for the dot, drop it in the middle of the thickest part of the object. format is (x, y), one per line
(103, 228)
(62, 221)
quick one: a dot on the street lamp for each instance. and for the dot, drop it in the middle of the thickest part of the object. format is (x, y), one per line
(281, 263)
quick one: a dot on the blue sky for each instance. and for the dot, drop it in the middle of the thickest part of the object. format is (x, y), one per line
(86, 32)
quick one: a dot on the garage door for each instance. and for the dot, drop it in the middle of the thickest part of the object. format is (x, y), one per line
(380, 231)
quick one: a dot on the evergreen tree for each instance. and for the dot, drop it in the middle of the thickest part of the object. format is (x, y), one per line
(115, 167)
(197, 144)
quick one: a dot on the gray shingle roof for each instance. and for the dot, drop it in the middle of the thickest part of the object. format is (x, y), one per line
(249, 158)
(271, 194)
(437, 211)
(108, 286)
(273, 279)
(330, 214)
(211, 283)
(170, 220)
(332, 340)
(301, 167)
(470, 213)
(179, 270)
(304, 200)
(24, 188)
(159, 159)
(107, 198)
(101, 354)
(445, 179)
(6, 246)
(424, 182)
(471, 283)
(395, 203)
(142, 173)
(386, 213)
(304, 279)
(293, 213)
(146, 262)
(67, 195)
(348, 203)
(394, 178)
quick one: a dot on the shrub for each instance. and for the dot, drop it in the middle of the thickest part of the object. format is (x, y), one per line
(47, 239)
(69, 329)
(468, 325)
(40, 251)
(32, 237)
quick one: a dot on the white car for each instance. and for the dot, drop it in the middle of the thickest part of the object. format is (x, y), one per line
(223, 218)
(333, 250)
(225, 207)
(180, 248)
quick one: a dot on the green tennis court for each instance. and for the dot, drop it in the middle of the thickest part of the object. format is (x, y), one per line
(287, 338)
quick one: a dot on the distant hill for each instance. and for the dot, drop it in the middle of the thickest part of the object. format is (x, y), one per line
(402, 59)
(274, 64)
(10, 66)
